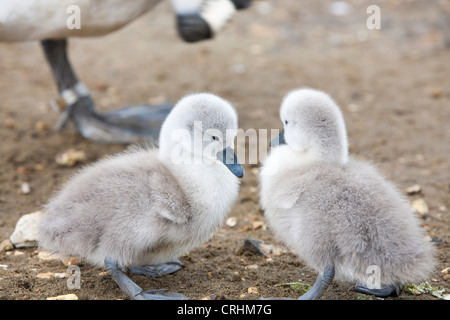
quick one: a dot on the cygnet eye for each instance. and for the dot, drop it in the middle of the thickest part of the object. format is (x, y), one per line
(285, 122)
(215, 138)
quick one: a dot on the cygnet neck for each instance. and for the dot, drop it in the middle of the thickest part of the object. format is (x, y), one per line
(337, 155)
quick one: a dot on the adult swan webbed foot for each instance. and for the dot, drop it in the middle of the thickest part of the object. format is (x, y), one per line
(126, 125)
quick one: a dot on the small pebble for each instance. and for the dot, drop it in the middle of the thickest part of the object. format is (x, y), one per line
(231, 222)
(436, 93)
(10, 123)
(340, 8)
(103, 274)
(60, 275)
(70, 261)
(46, 275)
(414, 189)
(25, 188)
(42, 126)
(252, 290)
(257, 225)
(26, 230)
(6, 245)
(47, 256)
(420, 206)
(70, 157)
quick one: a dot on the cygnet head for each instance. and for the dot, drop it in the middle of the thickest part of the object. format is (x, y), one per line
(314, 123)
(201, 129)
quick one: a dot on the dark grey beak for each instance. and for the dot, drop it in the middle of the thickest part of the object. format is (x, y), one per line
(279, 140)
(229, 159)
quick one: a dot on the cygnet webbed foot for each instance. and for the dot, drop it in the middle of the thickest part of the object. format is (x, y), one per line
(156, 270)
(133, 290)
(393, 290)
(160, 294)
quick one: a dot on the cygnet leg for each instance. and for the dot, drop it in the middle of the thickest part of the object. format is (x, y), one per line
(156, 270)
(383, 292)
(133, 290)
(322, 282)
(125, 283)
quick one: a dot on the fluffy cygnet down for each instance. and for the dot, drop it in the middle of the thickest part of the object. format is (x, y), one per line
(142, 209)
(338, 213)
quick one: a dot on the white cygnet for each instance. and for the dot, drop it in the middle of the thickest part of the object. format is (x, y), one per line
(143, 208)
(338, 213)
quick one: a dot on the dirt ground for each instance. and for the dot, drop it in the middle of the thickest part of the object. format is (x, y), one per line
(393, 85)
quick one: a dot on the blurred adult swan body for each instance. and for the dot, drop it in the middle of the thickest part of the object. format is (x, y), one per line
(53, 21)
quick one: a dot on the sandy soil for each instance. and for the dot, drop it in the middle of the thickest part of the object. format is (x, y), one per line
(393, 86)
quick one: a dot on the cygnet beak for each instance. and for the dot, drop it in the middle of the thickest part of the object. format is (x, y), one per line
(230, 160)
(279, 140)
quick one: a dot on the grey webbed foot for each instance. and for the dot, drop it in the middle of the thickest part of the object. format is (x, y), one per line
(142, 119)
(133, 290)
(160, 295)
(156, 270)
(125, 125)
(393, 290)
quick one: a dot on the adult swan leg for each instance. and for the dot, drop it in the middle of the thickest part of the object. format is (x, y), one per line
(126, 125)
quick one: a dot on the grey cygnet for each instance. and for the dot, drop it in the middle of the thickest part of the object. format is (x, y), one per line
(142, 209)
(338, 213)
